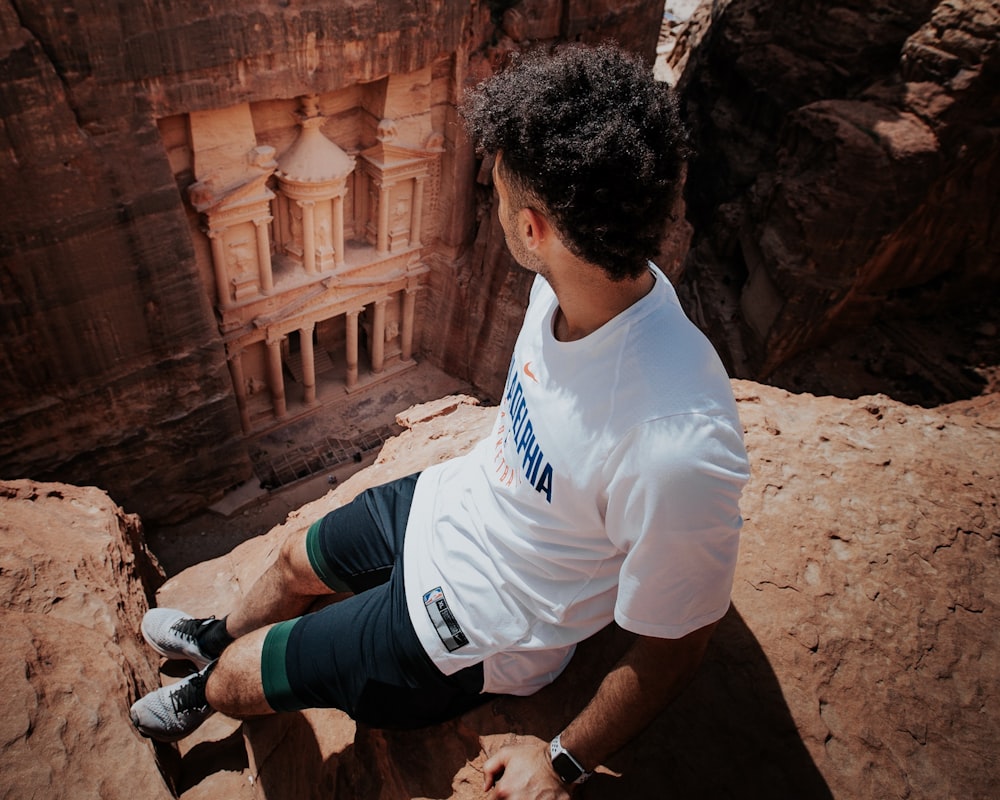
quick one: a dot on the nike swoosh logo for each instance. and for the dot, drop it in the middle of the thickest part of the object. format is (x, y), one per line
(529, 373)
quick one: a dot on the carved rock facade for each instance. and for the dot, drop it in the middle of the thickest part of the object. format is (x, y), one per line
(217, 216)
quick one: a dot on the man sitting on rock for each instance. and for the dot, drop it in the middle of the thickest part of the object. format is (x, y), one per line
(607, 490)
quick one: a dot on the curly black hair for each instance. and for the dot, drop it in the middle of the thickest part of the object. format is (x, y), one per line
(594, 139)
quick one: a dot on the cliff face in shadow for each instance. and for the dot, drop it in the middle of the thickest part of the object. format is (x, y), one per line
(843, 182)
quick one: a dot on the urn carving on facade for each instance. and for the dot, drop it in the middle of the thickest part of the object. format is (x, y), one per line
(312, 184)
(395, 177)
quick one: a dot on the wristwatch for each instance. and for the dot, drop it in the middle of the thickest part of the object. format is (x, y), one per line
(567, 768)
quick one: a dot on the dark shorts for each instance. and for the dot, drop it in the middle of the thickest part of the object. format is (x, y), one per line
(361, 654)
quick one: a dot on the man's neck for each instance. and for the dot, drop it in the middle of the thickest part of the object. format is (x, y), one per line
(589, 300)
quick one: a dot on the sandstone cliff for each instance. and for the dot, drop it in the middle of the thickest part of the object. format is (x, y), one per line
(846, 173)
(858, 660)
(75, 580)
(848, 159)
(114, 367)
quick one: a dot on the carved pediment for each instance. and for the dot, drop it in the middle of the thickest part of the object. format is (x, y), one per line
(212, 197)
(386, 155)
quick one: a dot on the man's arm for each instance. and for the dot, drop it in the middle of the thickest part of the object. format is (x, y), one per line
(650, 674)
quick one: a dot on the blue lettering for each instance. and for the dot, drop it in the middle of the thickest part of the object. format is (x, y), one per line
(532, 460)
(520, 414)
(525, 442)
(526, 433)
(545, 483)
(515, 393)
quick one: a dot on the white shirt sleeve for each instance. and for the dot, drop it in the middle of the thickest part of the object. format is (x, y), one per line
(673, 508)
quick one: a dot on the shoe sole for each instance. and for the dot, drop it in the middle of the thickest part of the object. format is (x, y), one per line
(159, 737)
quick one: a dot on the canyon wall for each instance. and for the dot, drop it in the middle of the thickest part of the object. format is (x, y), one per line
(846, 172)
(76, 580)
(849, 155)
(120, 366)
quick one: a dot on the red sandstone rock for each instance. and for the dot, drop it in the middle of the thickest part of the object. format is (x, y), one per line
(74, 583)
(845, 154)
(858, 660)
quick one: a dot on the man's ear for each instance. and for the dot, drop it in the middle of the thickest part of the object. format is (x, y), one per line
(534, 228)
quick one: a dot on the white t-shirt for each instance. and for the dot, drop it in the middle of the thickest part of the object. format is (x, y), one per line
(608, 489)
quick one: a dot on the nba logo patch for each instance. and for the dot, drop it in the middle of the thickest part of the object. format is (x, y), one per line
(433, 595)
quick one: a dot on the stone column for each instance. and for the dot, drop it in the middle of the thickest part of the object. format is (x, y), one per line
(382, 241)
(409, 312)
(308, 364)
(219, 261)
(378, 337)
(280, 222)
(275, 378)
(240, 388)
(417, 212)
(264, 254)
(308, 235)
(338, 230)
(351, 378)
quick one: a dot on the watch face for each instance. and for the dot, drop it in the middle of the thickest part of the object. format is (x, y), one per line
(565, 768)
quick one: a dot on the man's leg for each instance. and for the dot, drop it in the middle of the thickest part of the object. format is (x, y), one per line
(235, 686)
(348, 655)
(286, 589)
(233, 683)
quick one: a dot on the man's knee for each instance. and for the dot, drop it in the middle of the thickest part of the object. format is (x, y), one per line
(295, 567)
(298, 573)
(235, 686)
(292, 551)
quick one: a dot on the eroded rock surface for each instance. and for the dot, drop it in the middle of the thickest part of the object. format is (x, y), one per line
(75, 580)
(846, 152)
(858, 660)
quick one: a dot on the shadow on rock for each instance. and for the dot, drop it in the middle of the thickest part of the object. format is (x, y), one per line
(729, 734)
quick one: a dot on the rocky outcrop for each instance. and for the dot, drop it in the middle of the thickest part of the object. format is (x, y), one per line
(847, 155)
(858, 659)
(75, 580)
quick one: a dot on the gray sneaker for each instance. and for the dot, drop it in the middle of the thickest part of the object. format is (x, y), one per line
(172, 712)
(174, 634)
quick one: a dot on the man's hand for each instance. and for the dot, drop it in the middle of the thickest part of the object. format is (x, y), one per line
(523, 771)
(638, 687)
